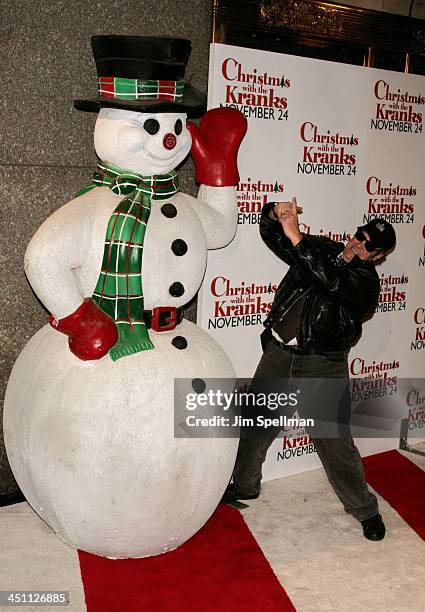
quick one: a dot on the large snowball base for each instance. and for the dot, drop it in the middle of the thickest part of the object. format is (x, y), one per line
(92, 444)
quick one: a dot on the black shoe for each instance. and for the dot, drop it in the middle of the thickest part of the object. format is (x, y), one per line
(8, 499)
(231, 494)
(374, 528)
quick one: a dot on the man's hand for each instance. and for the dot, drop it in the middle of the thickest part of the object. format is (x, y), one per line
(287, 215)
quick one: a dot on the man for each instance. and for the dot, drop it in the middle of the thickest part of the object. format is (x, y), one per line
(316, 315)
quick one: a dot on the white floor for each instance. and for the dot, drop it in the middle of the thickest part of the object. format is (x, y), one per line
(317, 551)
(321, 557)
(33, 558)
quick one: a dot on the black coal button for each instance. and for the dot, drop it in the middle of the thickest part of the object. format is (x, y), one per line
(179, 342)
(179, 247)
(169, 210)
(199, 385)
(176, 289)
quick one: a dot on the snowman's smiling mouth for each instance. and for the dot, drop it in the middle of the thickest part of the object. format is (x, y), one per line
(165, 159)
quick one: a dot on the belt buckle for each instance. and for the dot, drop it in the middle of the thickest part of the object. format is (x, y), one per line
(160, 323)
(298, 350)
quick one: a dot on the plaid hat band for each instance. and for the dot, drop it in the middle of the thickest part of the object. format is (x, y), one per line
(136, 89)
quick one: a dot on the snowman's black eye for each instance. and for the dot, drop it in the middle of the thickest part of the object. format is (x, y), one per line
(178, 127)
(151, 126)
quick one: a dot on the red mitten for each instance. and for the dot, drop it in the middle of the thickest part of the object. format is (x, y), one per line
(91, 332)
(215, 146)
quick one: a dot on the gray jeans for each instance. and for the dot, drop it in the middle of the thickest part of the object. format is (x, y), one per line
(339, 455)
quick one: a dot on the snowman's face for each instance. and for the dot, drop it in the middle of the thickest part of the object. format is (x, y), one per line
(147, 143)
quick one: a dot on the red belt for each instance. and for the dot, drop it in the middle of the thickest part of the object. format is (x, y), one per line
(163, 318)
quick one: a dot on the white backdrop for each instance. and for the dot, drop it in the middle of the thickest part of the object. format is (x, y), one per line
(349, 143)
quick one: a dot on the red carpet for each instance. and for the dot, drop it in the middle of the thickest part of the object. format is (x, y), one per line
(219, 568)
(401, 483)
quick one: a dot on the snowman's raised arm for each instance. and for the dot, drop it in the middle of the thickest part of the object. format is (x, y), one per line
(214, 150)
(57, 248)
(217, 211)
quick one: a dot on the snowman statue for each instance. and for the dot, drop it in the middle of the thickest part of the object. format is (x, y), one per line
(89, 408)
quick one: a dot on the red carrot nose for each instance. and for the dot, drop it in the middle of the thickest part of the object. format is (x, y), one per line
(169, 141)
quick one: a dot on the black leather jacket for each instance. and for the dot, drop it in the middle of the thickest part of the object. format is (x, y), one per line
(337, 299)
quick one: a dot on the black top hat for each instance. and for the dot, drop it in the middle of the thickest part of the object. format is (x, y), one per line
(143, 73)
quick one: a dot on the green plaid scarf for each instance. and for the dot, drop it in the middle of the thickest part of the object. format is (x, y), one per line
(119, 288)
